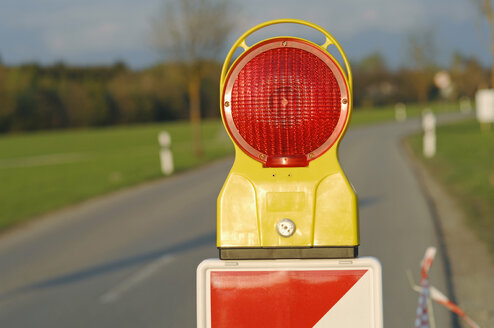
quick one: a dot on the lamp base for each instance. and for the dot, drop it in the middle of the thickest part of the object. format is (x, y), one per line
(264, 253)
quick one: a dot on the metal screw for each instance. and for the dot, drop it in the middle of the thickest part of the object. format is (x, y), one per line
(311, 155)
(227, 103)
(261, 156)
(284, 43)
(344, 101)
(285, 227)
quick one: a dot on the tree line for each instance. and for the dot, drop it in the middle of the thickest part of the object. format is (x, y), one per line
(377, 85)
(35, 97)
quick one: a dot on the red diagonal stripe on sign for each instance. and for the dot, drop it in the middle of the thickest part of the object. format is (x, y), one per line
(276, 298)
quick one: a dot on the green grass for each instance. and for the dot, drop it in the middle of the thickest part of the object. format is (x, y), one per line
(372, 115)
(464, 164)
(43, 171)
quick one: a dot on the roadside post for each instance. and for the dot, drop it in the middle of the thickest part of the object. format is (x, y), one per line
(287, 217)
(400, 112)
(429, 127)
(166, 157)
(465, 105)
(484, 100)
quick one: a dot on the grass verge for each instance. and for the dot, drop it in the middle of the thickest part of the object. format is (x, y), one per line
(372, 115)
(43, 171)
(463, 165)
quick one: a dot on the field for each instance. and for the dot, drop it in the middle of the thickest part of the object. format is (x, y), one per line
(464, 165)
(381, 114)
(44, 171)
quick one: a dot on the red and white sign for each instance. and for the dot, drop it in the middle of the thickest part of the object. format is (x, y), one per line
(289, 293)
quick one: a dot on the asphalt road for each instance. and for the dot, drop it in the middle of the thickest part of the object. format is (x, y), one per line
(129, 259)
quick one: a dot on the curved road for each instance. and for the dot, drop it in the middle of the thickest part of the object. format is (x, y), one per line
(129, 259)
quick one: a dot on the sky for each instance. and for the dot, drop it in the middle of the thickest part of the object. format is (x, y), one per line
(95, 32)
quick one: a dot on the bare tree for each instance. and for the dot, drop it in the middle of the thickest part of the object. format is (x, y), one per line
(485, 7)
(421, 50)
(487, 10)
(193, 32)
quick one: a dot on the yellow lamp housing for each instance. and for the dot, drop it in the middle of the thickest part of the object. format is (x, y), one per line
(286, 103)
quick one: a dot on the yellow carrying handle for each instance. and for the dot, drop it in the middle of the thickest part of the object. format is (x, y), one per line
(329, 41)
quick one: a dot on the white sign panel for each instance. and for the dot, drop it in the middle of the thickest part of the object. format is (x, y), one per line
(290, 293)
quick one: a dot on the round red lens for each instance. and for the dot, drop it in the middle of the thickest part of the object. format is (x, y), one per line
(286, 102)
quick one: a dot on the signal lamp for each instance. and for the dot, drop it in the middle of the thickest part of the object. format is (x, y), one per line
(286, 103)
(283, 102)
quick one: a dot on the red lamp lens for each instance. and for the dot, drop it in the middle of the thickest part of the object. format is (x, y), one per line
(286, 103)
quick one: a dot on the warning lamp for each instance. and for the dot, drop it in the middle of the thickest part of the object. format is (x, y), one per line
(286, 104)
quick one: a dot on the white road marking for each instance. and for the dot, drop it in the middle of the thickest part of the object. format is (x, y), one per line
(115, 293)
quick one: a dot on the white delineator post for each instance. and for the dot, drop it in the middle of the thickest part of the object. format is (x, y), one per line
(465, 105)
(485, 107)
(400, 112)
(166, 156)
(429, 126)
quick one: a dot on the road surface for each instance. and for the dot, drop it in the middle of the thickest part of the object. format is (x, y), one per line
(129, 259)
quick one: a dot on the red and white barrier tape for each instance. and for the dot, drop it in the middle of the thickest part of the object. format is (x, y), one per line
(440, 298)
(422, 320)
(427, 291)
(426, 264)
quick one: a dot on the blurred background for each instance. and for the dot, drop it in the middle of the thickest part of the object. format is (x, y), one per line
(94, 230)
